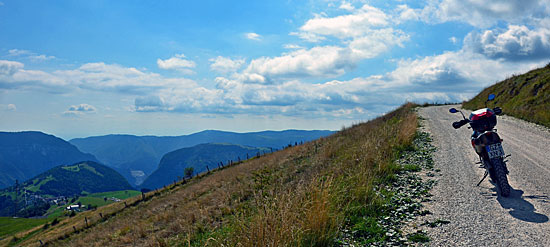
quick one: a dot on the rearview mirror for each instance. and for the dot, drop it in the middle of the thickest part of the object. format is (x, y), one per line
(491, 97)
(453, 110)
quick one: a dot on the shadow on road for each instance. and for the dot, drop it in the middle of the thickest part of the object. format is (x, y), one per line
(522, 209)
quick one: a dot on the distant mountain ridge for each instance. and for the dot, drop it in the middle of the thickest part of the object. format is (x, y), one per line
(136, 157)
(173, 164)
(24, 155)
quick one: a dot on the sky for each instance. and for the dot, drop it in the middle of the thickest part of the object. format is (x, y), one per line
(85, 68)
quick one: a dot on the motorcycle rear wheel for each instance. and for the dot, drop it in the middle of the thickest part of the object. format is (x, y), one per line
(501, 178)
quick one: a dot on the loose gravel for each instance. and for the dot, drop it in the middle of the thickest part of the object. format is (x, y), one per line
(404, 197)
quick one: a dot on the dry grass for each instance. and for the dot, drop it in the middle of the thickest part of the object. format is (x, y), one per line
(298, 196)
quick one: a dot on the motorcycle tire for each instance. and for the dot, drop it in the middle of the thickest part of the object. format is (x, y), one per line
(492, 175)
(501, 178)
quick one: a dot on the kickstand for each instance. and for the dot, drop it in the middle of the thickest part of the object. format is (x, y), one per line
(484, 176)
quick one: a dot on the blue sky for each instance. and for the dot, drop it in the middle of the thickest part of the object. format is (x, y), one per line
(82, 68)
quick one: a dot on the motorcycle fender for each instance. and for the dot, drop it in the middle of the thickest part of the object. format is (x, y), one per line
(483, 140)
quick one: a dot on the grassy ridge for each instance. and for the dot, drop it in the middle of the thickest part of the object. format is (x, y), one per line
(303, 195)
(525, 96)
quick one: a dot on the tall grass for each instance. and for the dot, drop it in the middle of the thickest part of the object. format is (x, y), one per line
(310, 210)
(300, 196)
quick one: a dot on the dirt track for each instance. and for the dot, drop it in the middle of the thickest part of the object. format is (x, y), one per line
(477, 215)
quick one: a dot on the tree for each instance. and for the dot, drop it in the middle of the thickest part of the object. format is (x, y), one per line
(189, 172)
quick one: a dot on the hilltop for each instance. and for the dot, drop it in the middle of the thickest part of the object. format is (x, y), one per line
(525, 96)
(24, 155)
(69, 180)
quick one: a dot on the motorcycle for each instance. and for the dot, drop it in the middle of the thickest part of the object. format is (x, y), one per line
(487, 144)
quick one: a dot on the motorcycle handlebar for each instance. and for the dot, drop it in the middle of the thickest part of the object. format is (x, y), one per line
(460, 123)
(497, 110)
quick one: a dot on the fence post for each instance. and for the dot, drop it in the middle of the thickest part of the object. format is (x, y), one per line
(86, 221)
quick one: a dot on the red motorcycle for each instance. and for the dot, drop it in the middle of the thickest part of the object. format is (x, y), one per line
(487, 144)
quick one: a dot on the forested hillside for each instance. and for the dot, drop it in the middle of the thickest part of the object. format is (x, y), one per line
(24, 155)
(200, 158)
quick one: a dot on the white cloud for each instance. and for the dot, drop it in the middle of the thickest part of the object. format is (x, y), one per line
(461, 72)
(323, 61)
(78, 110)
(356, 24)
(515, 42)
(90, 76)
(41, 57)
(363, 34)
(11, 107)
(8, 68)
(150, 103)
(8, 107)
(82, 108)
(28, 54)
(406, 13)
(309, 37)
(292, 46)
(453, 40)
(347, 6)
(178, 63)
(485, 14)
(17, 52)
(253, 36)
(225, 65)
(376, 42)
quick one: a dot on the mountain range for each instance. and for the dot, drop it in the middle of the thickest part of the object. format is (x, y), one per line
(24, 155)
(137, 157)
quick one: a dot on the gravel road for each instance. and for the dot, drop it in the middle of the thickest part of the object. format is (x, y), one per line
(477, 215)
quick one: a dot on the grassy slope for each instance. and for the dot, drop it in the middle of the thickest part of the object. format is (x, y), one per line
(9, 225)
(301, 195)
(525, 96)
